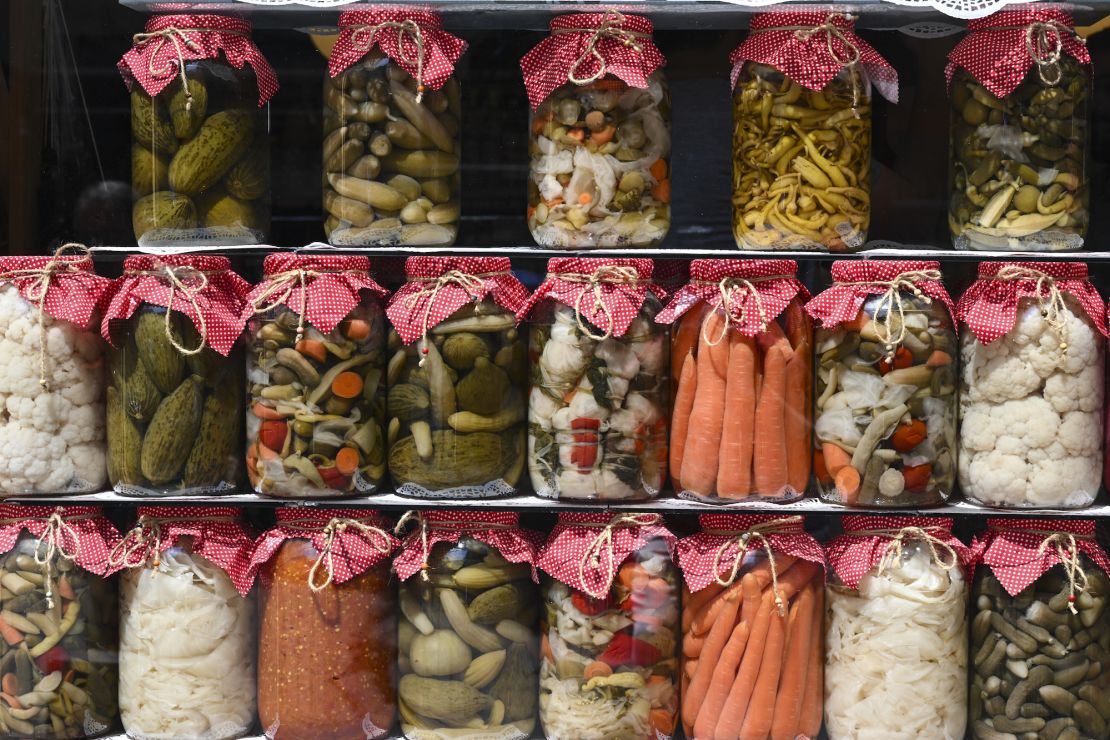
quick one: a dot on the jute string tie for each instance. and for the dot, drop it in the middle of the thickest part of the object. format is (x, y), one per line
(1068, 552)
(279, 288)
(176, 36)
(609, 28)
(38, 289)
(451, 525)
(898, 539)
(831, 31)
(891, 328)
(334, 528)
(363, 38)
(601, 547)
(1051, 299)
(592, 283)
(742, 539)
(733, 290)
(190, 282)
(473, 284)
(52, 543)
(143, 540)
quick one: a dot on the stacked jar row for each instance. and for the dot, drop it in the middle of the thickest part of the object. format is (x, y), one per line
(734, 630)
(596, 398)
(600, 143)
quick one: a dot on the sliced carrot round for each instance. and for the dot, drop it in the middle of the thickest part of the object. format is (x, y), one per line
(347, 385)
(346, 460)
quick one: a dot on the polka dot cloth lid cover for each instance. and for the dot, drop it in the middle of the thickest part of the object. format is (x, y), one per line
(989, 306)
(590, 46)
(218, 533)
(73, 290)
(760, 290)
(608, 293)
(855, 280)
(80, 533)
(996, 52)
(361, 30)
(354, 550)
(851, 556)
(333, 286)
(203, 281)
(567, 555)
(498, 529)
(1012, 548)
(711, 553)
(154, 61)
(809, 47)
(436, 287)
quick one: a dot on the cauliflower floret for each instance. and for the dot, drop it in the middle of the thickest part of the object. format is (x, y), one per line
(995, 478)
(1074, 392)
(1081, 433)
(1006, 377)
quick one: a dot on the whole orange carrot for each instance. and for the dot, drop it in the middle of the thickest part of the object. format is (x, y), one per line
(703, 441)
(761, 707)
(788, 700)
(770, 444)
(680, 417)
(798, 420)
(684, 340)
(723, 675)
(734, 476)
(731, 719)
(813, 700)
(710, 654)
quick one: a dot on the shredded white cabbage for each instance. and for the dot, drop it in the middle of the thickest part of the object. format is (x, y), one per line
(186, 657)
(896, 653)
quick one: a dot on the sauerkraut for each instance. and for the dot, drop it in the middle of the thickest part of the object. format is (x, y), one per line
(187, 663)
(896, 653)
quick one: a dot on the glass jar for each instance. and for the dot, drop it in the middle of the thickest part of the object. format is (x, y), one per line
(317, 422)
(756, 637)
(600, 172)
(187, 650)
(391, 164)
(885, 425)
(1031, 412)
(609, 666)
(53, 435)
(801, 161)
(1019, 165)
(597, 416)
(909, 613)
(468, 643)
(325, 660)
(200, 170)
(174, 420)
(59, 647)
(457, 412)
(1033, 656)
(720, 457)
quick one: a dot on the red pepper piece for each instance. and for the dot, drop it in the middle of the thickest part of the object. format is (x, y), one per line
(333, 478)
(588, 605)
(585, 423)
(624, 649)
(54, 659)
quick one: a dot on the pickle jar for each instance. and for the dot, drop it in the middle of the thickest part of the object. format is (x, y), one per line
(328, 626)
(600, 142)
(456, 403)
(906, 607)
(801, 142)
(200, 151)
(609, 661)
(316, 378)
(468, 632)
(1031, 387)
(53, 384)
(1040, 637)
(746, 319)
(175, 385)
(598, 405)
(187, 626)
(886, 408)
(60, 623)
(392, 136)
(1019, 90)
(787, 642)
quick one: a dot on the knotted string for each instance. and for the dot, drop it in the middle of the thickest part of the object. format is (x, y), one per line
(176, 36)
(1051, 299)
(278, 290)
(892, 553)
(742, 539)
(52, 542)
(452, 525)
(333, 529)
(602, 545)
(177, 277)
(609, 28)
(1068, 552)
(363, 38)
(473, 284)
(831, 31)
(606, 274)
(734, 289)
(145, 538)
(37, 291)
(891, 304)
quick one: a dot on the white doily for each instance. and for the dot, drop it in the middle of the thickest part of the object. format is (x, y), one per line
(493, 489)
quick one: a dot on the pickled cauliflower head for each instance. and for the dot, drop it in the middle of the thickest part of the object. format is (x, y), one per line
(1031, 432)
(53, 436)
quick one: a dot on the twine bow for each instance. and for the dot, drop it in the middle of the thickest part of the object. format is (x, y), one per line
(592, 283)
(602, 545)
(1068, 552)
(892, 553)
(144, 540)
(471, 283)
(459, 527)
(1051, 299)
(278, 290)
(190, 281)
(734, 289)
(176, 36)
(892, 331)
(610, 28)
(831, 31)
(51, 543)
(37, 291)
(742, 540)
(363, 38)
(1044, 43)
(336, 526)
